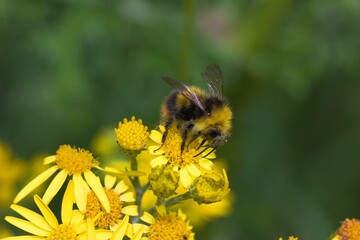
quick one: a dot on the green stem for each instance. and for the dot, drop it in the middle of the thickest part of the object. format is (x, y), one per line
(173, 201)
(136, 182)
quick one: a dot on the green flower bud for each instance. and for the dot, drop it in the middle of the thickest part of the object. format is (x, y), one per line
(163, 181)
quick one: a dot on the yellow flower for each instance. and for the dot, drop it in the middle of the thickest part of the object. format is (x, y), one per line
(349, 230)
(189, 163)
(12, 170)
(166, 226)
(210, 187)
(47, 226)
(117, 195)
(290, 238)
(72, 162)
(131, 135)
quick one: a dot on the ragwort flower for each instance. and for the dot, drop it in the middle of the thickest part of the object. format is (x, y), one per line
(118, 196)
(46, 226)
(72, 162)
(189, 163)
(349, 230)
(166, 226)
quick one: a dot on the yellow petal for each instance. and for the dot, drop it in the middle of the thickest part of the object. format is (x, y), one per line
(25, 238)
(138, 234)
(127, 197)
(103, 234)
(35, 183)
(131, 210)
(155, 150)
(90, 230)
(161, 209)
(33, 217)
(226, 180)
(185, 178)
(26, 226)
(156, 136)
(54, 186)
(46, 212)
(80, 192)
(193, 170)
(109, 181)
(77, 222)
(95, 184)
(121, 187)
(205, 163)
(161, 160)
(121, 229)
(148, 218)
(67, 203)
(49, 159)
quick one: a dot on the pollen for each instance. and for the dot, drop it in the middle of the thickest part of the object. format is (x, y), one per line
(94, 207)
(172, 149)
(131, 135)
(74, 160)
(170, 227)
(349, 230)
(63, 232)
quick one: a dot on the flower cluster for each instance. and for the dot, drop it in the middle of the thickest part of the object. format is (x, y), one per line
(103, 202)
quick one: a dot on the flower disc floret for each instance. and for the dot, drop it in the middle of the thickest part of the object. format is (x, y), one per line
(349, 230)
(74, 160)
(131, 135)
(166, 225)
(172, 149)
(62, 232)
(94, 207)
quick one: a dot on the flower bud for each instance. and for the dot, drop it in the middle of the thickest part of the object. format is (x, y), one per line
(210, 187)
(163, 181)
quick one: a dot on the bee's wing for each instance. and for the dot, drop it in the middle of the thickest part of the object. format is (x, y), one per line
(213, 77)
(185, 91)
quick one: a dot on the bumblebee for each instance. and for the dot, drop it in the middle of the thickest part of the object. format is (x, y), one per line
(196, 112)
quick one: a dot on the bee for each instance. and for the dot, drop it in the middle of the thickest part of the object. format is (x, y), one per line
(196, 112)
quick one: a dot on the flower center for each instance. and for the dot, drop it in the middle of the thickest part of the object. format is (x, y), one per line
(172, 148)
(169, 227)
(94, 207)
(74, 160)
(132, 135)
(63, 232)
(350, 229)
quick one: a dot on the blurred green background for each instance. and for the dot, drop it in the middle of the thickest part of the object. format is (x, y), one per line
(69, 68)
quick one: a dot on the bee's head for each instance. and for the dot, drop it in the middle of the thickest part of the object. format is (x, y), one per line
(215, 136)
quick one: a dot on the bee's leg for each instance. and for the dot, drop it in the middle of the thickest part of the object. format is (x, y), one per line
(195, 136)
(209, 152)
(184, 135)
(201, 144)
(167, 125)
(199, 153)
